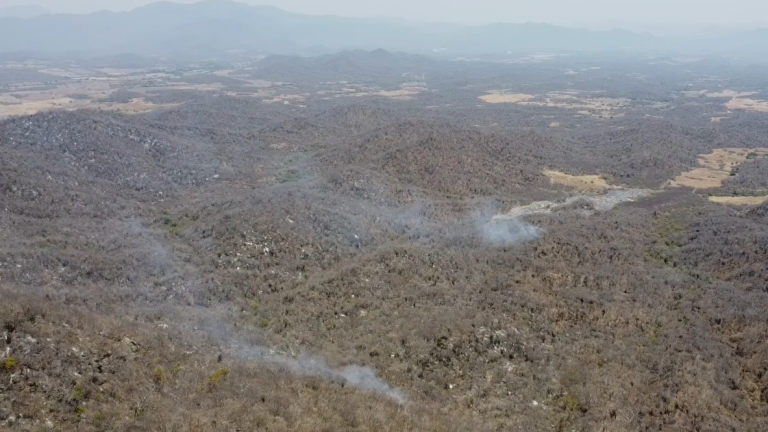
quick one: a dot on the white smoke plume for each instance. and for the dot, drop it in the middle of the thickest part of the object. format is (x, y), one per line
(502, 231)
(357, 376)
(506, 232)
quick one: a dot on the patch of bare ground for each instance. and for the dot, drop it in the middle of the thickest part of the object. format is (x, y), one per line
(402, 95)
(583, 183)
(199, 87)
(20, 107)
(497, 98)
(728, 94)
(716, 94)
(747, 105)
(716, 167)
(739, 200)
(135, 106)
(594, 106)
(287, 99)
(91, 89)
(717, 119)
(406, 92)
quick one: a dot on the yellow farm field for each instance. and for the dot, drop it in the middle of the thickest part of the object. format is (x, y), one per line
(715, 168)
(739, 200)
(583, 183)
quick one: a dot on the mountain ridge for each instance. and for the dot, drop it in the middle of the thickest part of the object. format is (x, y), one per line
(211, 27)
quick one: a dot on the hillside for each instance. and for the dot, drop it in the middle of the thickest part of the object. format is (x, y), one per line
(304, 244)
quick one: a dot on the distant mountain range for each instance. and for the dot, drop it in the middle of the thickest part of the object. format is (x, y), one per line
(215, 27)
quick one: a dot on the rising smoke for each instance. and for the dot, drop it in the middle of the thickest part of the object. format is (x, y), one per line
(506, 232)
(308, 365)
(502, 231)
(357, 376)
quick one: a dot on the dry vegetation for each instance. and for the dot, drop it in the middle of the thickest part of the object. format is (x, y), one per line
(230, 264)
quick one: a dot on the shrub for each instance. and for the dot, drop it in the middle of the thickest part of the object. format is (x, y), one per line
(215, 378)
(79, 393)
(289, 176)
(653, 338)
(571, 404)
(179, 225)
(159, 375)
(10, 363)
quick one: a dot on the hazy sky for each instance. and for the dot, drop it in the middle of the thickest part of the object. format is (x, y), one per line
(570, 12)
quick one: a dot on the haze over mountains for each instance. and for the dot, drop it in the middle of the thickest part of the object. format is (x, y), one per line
(211, 27)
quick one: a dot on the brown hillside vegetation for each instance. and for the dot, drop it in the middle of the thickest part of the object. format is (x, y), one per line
(367, 264)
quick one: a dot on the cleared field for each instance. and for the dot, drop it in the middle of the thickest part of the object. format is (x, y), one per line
(739, 200)
(594, 106)
(287, 99)
(583, 183)
(701, 178)
(406, 93)
(135, 106)
(29, 107)
(728, 94)
(497, 98)
(401, 95)
(90, 90)
(716, 94)
(13, 107)
(716, 167)
(747, 105)
(85, 88)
